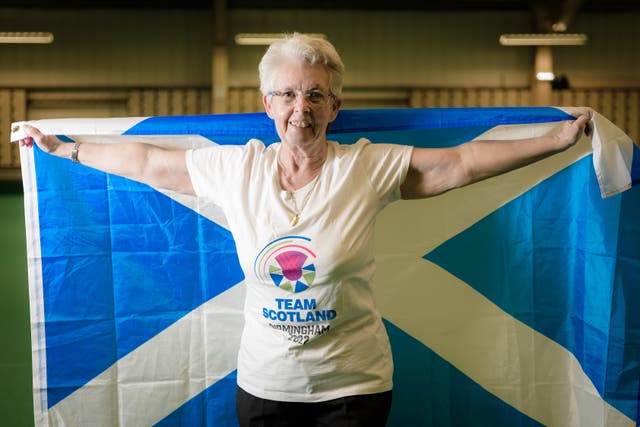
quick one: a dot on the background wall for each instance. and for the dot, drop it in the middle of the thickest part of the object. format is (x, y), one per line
(154, 48)
(107, 63)
(16, 397)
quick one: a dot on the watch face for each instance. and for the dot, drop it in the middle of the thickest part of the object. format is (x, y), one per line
(74, 152)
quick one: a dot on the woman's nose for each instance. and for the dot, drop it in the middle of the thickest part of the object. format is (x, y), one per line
(301, 102)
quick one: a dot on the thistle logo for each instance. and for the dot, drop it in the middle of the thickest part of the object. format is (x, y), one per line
(288, 263)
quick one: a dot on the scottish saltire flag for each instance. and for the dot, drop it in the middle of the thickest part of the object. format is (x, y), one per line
(511, 302)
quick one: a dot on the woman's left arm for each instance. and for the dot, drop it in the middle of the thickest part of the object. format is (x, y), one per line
(433, 171)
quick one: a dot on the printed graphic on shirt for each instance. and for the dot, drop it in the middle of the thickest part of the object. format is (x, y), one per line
(288, 262)
(301, 334)
(297, 311)
(300, 319)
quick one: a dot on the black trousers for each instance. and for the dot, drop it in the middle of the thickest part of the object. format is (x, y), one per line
(369, 410)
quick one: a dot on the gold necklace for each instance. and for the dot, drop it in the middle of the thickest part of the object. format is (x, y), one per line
(295, 218)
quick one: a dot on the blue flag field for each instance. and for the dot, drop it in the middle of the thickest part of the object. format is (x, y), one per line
(511, 302)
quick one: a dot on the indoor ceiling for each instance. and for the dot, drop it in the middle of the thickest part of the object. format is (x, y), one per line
(470, 5)
(547, 15)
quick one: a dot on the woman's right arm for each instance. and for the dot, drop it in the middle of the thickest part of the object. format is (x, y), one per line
(155, 166)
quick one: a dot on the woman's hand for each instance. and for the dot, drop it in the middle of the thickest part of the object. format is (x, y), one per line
(48, 143)
(573, 130)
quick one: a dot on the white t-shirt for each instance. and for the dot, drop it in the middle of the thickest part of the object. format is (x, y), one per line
(312, 331)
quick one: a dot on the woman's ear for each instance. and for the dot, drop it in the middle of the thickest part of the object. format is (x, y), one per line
(267, 105)
(335, 108)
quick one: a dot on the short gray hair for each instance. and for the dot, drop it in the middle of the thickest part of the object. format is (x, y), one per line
(313, 50)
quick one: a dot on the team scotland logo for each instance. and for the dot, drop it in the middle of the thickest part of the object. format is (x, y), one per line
(288, 262)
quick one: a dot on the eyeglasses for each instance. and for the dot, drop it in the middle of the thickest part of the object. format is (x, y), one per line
(312, 97)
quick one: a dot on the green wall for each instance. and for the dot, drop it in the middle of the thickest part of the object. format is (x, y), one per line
(16, 402)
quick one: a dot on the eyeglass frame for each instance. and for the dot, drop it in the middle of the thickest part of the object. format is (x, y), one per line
(308, 100)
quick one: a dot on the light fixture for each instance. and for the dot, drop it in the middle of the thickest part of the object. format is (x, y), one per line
(545, 76)
(559, 26)
(544, 39)
(261, 39)
(25, 37)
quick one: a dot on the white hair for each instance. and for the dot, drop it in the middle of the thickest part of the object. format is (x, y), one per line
(313, 50)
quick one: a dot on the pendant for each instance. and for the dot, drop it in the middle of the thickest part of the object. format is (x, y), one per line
(294, 220)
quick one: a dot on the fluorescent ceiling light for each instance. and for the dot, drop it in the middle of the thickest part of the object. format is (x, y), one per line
(545, 39)
(25, 37)
(260, 39)
(545, 76)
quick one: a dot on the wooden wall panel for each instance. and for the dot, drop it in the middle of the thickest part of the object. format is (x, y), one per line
(13, 107)
(468, 97)
(633, 115)
(244, 100)
(5, 120)
(168, 102)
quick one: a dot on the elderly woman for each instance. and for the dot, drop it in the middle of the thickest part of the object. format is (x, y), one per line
(314, 350)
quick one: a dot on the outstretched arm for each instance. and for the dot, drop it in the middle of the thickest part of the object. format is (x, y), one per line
(158, 167)
(433, 171)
